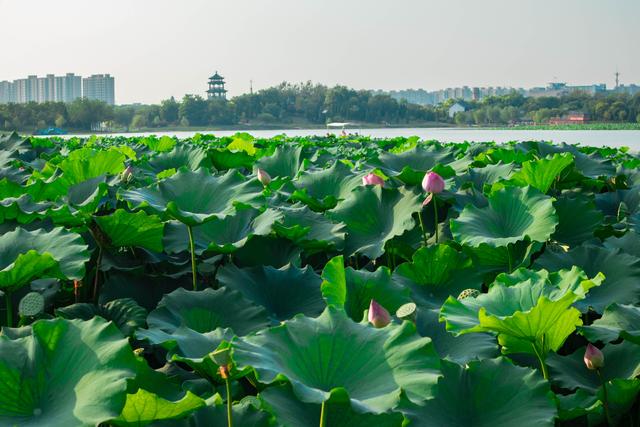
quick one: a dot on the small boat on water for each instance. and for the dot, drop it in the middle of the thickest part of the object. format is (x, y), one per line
(50, 132)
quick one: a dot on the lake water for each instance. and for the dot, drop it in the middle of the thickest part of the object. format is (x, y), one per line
(598, 138)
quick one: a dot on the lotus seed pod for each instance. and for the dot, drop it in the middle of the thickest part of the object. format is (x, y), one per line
(468, 293)
(593, 357)
(263, 177)
(432, 183)
(378, 316)
(407, 311)
(31, 305)
(372, 179)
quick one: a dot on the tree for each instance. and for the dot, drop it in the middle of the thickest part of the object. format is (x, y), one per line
(194, 109)
(169, 110)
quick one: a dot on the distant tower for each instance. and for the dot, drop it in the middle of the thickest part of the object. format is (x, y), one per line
(617, 79)
(216, 87)
(251, 87)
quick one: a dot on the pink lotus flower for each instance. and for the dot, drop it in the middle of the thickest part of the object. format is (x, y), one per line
(372, 179)
(264, 177)
(127, 174)
(378, 316)
(432, 183)
(593, 357)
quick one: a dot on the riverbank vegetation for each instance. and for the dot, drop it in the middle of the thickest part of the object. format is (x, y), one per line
(313, 105)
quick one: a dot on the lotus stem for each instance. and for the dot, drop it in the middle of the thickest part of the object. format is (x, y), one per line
(323, 420)
(192, 249)
(543, 366)
(435, 217)
(229, 403)
(95, 278)
(509, 259)
(424, 233)
(9, 307)
(605, 398)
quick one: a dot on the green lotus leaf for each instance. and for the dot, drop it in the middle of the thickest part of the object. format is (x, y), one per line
(628, 243)
(22, 209)
(64, 373)
(514, 214)
(618, 321)
(132, 229)
(86, 163)
(323, 189)
(160, 145)
(530, 311)
(411, 165)
(144, 408)
(204, 311)
(491, 260)
(374, 215)
(284, 291)
(181, 155)
(542, 173)
(569, 372)
(286, 161)
(577, 220)
(353, 290)
(488, 175)
(222, 235)
(590, 165)
(27, 255)
(289, 411)
(619, 203)
(435, 273)
(309, 230)
(268, 250)
(196, 197)
(244, 413)
(186, 345)
(125, 313)
(146, 289)
(621, 272)
(459, 349)
(487, 393)
(331, 351)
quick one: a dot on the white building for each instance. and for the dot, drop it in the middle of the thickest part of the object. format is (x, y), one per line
(100, 87)
(68, 88)
(6, 92)
(455, 109)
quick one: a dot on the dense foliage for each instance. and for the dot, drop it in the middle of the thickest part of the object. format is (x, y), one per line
(313, 281)
(309, 104)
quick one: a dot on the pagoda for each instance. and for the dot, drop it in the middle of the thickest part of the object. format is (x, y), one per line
(216, 87)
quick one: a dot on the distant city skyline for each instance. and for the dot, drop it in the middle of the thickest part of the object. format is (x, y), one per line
(52, 88)
(159, 49)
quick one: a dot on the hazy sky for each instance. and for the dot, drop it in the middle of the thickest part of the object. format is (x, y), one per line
(158, 48)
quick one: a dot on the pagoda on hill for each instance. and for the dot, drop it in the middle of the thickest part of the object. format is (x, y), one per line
(216, 87)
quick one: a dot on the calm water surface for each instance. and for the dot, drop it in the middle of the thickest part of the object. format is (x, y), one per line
(598, 138)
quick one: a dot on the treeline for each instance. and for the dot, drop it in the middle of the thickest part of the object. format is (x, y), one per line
(282, 104)
(514, 108)
(308, 103)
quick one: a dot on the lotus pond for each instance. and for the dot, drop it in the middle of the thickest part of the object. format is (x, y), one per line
(331, 281)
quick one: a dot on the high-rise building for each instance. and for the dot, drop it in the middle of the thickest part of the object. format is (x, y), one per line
(100, 87)
(6, 92)
(68, 88)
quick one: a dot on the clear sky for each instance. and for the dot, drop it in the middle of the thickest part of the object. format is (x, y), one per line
(159, 48)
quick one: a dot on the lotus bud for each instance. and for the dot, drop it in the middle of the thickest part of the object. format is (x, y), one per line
(372, 179)
(433, 183)
(264, 177)
(127, 174)
(593, 357)
(378, 316)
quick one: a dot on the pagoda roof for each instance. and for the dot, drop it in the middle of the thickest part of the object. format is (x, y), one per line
(216, 76)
